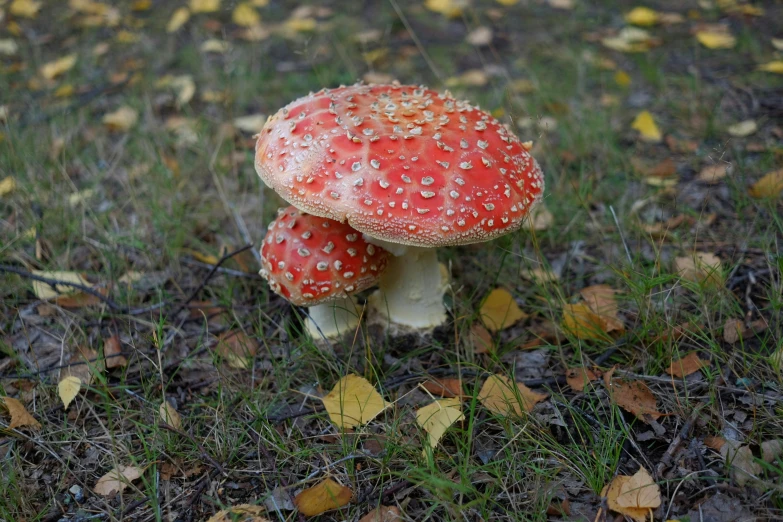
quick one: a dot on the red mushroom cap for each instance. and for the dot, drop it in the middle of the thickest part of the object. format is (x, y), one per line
(400, 163)
(309, 259)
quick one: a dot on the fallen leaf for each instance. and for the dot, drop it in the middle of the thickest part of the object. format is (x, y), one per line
(353, 402)
(204, 6)
(68, 389)
(240, 512)
(20, 417)
(647, 127)
(436, 417)
(8, 47)
(565, 5)
(540, 218)
(777, 43)
(24, 8)
(80, 197)
(733, 330)
(123, 119)
(245, 15)
(665, 169)
(45, 291)
(214, 45)
(715, 443)
(622, 78)
(169, 415)
(383, 514)
(602, 301)
(502, 396)
(237, 348)
(630, 40)
(716, 38)
(499, 310)
(84, 364)
(771, 449)
(251, 124)
(7, 185)
(443, 387)
(742, 129)
(714, 173)
(116, 480)
(198, 256)
(481, 340)
(635, 496)
(178, 19)
(769, 186)
(686, 365)
(480, 36)
(322, 497)
(185, 88)
(583, 323)
(702, 268)
(634, 397)
(775, 66)
(52, 70)
(643, 16)
(112, 353)
(578, 378)
(448, 8)
(742, 462)
(539, 276)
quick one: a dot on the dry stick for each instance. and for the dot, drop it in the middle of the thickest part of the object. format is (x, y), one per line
(668, 455)
(212, 462)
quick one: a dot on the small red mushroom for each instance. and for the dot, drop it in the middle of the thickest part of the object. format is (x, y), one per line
(320, 263)
(404, 165)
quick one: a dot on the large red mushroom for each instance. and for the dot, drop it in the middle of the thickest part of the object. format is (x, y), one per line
(320, 264)
(412, 169)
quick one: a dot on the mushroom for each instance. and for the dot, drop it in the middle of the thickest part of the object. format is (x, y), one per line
(410, 168)
(320, 263)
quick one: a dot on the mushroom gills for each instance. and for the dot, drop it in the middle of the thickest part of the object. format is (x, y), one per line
(411, 290)
(333, 319)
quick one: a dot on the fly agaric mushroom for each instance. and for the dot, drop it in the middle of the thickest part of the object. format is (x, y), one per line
(412, 169)
(320, 263)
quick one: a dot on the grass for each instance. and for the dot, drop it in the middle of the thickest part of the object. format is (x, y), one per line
(152, 201)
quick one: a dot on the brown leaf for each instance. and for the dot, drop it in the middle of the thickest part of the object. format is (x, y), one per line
(601, 300)
(769, 186)
(80, 299)
(701, 267)
(322, 497)
(771, 449)
(383, 514)
(664, 169)
(733, 330)
(83, 365)
(577, 378)
(714, 173)
(169, 415)
(446, 387)
(481, 339)
(687, 365)
(116, 480)
(743, 464)
(635, 397)
(633, 496)
(583, 323)
(237, 348)
(715, 443)
(20, 417)
(112, 353)
(559, 508)
(241, 512)
(501, 395)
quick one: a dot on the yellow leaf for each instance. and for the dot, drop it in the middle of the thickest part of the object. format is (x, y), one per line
(243, 512)
(127, 37)
(123, 119)
(214, 45)
(300, 25)
(20, 417)
(260, 3)
(438, 416)
(244, 15)
(116, 480)
(178, 19)
(502, 396)
(80, 197)
(45, 291)
(204, 6)
(169, 415)
(353, 402)
(185, 87)
(775, 66)
(448, 8)
(622, 79)
(629, 40)
(24, 8)
(714, 39)
(701, 267)
(7, 185)
(499, 310)
(68, 389)
(602, 301)
(561, 4)
(252, 123)
(742, 129)
(647, 127)
(322, 497)
(8, 47)
(64, 91)
(769, 186)
(141, 5)
(539, 275)
(583, 323)
(204, 258)
(777, 43)
(643, 16)
(633, 496)
(60, 66)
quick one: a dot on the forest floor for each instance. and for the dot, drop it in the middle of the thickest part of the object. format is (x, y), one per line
(648, 337)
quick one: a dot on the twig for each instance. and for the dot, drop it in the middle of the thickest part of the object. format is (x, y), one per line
(211, 273)
(668, 455)
(212, 462)
(222, 270)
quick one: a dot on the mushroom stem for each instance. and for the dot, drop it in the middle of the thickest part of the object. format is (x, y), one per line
(333, 319)
(411, 290)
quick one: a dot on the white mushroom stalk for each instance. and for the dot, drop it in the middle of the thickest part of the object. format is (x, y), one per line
(333, 319)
